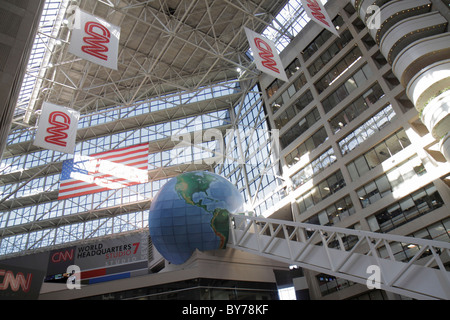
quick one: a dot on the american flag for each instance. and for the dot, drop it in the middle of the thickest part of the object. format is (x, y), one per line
(104, 171)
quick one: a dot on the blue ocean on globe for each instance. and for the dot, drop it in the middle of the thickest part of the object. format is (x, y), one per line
(191, 212)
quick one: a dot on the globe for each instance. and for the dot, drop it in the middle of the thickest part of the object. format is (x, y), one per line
(190, 212)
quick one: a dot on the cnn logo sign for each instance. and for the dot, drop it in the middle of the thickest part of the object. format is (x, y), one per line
(94, 39)
(62, 256)
(15, 282)
(57, 128)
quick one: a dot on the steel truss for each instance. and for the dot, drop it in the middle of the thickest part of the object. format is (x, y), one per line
(348, 254)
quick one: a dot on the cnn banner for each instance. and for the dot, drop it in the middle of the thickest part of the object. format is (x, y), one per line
(20, 283)
(265, 55)
(57, 128)
(100, 261)
(316, 11)
(95, 40)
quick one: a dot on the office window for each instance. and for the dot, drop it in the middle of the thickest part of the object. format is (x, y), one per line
(338, 70)
(412, 206)
(284, 116)
(358, 79)
(376, 155)
(313, 168)
(366, 130)
(315, 45)
(391, 181)
(333, 213)
(319, 137)
(322, 190)
(299, 128)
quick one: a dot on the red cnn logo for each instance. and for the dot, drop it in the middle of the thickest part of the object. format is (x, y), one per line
(266, 55)
(315, 11)
(60, 122)
(99, 35)
(15, 282)
(62, 256)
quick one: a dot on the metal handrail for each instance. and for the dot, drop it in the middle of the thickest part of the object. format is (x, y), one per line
(309, 246)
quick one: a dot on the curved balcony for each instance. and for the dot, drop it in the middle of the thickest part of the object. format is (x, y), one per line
(436, 115)
(420, 54)
(444, 146)
(409, 30)
(428, 83)
(393, 12)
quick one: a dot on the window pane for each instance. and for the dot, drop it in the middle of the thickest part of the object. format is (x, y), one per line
(404, 140)
(396, 215)
(324, 189)
(420, 199)
(393, 144)
(383, 185)
(359, 77)
(372, 192)
(323, 218)
(408, 208)
(315, 194)
(367, 71)
(372, 159)
(361, 165)
(373, 223)
(308, 201)
(351, 85)
(352, 170)
(362, 195)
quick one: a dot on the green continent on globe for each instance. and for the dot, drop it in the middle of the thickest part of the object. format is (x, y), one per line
(187, 185)
(220, 225)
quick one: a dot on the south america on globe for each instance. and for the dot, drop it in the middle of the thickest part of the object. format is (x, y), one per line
(191, 212)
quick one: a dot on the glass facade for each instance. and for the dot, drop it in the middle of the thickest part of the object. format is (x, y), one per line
(336, 140)
(345, 140)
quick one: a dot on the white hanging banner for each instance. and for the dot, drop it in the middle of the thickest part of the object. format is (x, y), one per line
(316, 11)
(57, 128)
(95, 40)
(265, 55)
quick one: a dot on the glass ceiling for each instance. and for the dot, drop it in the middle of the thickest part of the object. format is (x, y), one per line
(286, 25)
(46, 28)
(259, 186)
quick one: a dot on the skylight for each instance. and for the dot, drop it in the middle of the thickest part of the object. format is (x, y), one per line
(290, 21)
(38, 52)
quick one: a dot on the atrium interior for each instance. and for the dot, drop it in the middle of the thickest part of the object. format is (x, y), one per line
(357, 138)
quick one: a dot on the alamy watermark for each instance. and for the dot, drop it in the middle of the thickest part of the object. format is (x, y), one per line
(374, 279)
(373, 17)
(73, 274)
(234, 145)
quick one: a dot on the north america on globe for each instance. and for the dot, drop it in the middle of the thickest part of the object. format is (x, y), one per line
(191, 212)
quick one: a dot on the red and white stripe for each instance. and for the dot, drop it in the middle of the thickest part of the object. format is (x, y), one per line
(129, 166)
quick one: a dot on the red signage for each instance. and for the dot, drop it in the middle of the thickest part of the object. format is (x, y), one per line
(266, 55)
(57, 128)
(58, 132)
(99, 35)
(62, 256)
(95, 40)
(10, 281)
(316, 11)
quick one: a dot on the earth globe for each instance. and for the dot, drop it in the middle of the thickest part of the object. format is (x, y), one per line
(191, 212)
